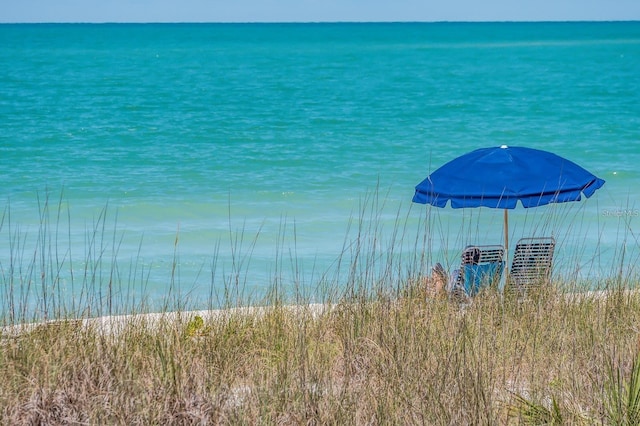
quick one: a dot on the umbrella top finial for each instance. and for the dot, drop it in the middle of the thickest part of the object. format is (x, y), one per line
(504, 146)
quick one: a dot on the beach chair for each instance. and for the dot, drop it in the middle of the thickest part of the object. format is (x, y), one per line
(531, 265)
(480, 267)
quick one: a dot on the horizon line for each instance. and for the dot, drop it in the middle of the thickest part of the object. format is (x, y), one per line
(320, 22)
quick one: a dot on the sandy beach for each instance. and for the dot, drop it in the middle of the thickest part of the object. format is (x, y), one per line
(410, 360)
(112, 325)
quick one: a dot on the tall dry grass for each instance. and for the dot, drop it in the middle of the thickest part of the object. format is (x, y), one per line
(548, 360)
(381, 352)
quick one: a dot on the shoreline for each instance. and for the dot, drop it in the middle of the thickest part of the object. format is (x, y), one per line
(114, 324)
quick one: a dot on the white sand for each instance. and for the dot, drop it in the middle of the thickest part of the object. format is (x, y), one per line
(113, 324)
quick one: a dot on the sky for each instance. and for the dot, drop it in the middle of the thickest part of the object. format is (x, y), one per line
(12, 11)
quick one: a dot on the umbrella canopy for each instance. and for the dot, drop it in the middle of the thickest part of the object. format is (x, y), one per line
(499, 177)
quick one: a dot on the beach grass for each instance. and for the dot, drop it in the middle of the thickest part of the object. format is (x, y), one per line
(550, 359)
(378, 349)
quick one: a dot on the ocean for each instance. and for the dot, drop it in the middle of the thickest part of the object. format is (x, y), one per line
(156, 165)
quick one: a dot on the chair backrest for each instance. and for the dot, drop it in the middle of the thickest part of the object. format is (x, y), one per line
(481, 266)
(532, 262)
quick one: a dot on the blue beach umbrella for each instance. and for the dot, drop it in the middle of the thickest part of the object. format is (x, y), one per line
(499, 177)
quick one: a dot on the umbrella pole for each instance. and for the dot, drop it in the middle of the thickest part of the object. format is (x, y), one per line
(506, 241)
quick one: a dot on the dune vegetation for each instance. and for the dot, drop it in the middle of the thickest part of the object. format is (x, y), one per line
(381, 349)
(549, 359)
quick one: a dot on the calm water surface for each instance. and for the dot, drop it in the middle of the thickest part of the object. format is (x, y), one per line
(191, 155)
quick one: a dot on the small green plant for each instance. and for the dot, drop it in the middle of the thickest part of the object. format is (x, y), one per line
(195, 326)
(530, 412)
(623, 395)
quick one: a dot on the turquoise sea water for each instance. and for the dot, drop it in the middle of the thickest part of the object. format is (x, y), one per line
(192, 155)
